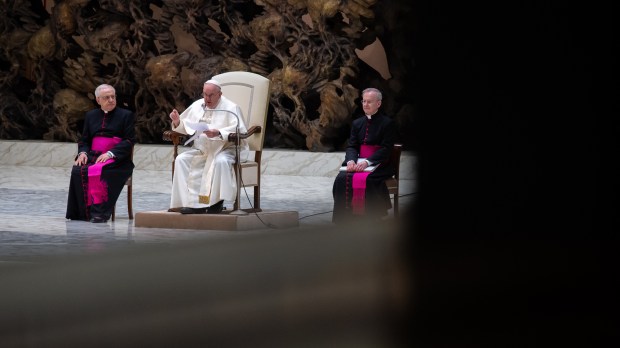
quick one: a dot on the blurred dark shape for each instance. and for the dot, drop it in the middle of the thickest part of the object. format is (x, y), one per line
(300, 288)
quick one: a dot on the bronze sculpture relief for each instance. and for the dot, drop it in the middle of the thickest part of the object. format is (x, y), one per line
(158, 53)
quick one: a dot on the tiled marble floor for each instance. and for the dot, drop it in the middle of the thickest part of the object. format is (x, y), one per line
(77, 284)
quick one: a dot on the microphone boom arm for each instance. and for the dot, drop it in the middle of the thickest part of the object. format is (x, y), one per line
(237, 138)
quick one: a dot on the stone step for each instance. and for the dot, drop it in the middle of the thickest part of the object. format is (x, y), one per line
(223, 221)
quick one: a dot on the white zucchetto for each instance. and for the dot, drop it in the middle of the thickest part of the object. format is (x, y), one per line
(214, 82)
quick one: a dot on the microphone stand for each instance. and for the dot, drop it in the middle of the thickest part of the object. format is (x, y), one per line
(237, 211)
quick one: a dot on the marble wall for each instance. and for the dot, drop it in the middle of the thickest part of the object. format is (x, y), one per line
(159, 157)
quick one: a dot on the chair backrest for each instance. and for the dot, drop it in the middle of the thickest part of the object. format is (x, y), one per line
(251, 92)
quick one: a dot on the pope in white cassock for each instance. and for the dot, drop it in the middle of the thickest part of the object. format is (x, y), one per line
(204, 176)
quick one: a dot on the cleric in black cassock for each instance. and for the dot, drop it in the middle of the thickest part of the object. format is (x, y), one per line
(104, 162)
(359, 193)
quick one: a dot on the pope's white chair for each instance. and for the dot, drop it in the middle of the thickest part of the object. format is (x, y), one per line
(251, 92)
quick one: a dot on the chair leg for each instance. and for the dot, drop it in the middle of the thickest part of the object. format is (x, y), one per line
(257, 198)
(129, 200)
(113, 211)
(396, 204)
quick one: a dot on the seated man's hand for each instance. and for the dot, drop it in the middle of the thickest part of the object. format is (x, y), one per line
(175, 117)
(104, 157)
(212, 133)
(351, 166)
(81, 159)
(361, 166)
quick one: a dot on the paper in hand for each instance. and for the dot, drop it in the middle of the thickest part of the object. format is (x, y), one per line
(199, 127)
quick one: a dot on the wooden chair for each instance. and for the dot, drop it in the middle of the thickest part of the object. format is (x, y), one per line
(392, 183)
(128, 183)
(251, 92)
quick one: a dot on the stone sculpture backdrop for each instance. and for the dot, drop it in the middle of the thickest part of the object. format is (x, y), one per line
(157, 54)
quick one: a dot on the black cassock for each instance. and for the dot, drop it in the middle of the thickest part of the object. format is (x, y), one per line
(380, 130)
(116, 123)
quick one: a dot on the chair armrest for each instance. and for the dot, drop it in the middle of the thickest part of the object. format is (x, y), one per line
(177, 137)
(173, 136)
(232, 137)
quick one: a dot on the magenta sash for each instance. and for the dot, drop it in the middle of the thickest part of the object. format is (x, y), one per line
(97, 189)
(358, 200)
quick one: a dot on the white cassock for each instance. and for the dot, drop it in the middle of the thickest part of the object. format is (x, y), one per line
(205, 174)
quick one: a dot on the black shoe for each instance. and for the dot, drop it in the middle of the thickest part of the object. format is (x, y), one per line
(216, 208)
(186, 210)
(98, 220)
